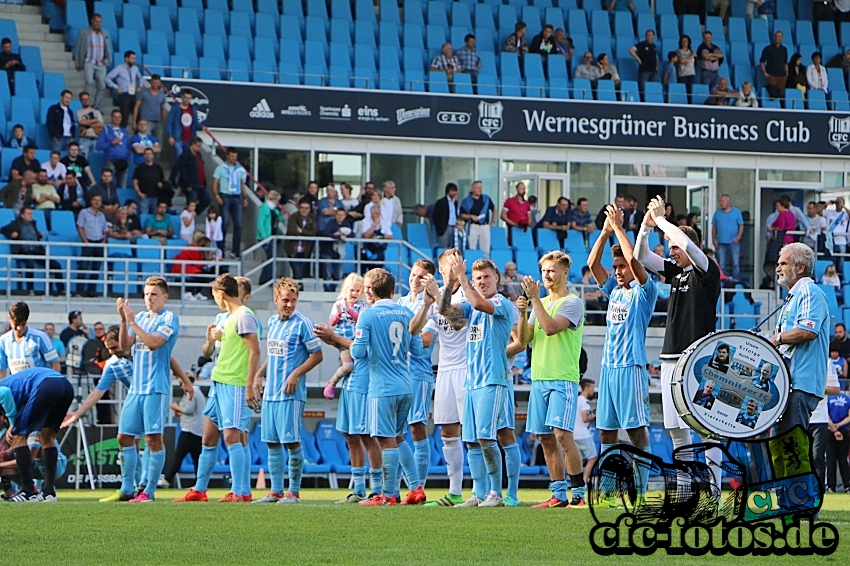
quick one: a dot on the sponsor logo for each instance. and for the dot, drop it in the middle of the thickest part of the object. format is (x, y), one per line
(453, 118)
(335, 112)
(261, 110)
(490, 117)
(839, 133)
(403, 115)
(299, 110)
(200, 100)
(369, 114)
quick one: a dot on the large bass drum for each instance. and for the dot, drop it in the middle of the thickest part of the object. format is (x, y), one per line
(731, 385)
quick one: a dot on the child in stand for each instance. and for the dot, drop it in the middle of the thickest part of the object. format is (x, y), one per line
(187, 222)
(459, 240)
(670, 75)
(344, 315)
(830, 277)
(214, 232)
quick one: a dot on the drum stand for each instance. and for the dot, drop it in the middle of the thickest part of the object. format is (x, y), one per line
(82, 441)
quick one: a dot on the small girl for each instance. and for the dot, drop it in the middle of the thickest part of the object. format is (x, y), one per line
(214, 232)
(187, 222)
(830, 277)
(344, 314)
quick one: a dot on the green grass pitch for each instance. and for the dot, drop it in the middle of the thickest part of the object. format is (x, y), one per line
(79, 530)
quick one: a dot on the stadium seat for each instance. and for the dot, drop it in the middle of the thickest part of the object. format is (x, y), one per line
(653, 93)
(526, 261)
(840, 103)
(816, 100)
(605, 90)
(498, 238)
(547, 240)
(699, 94)
(793, 99)
(501, 257)
(677, 94)
(521, 240)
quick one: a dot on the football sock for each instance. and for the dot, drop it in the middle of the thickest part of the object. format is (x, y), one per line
(422, 455)
(493, 462)
(23, 457)
(51, 457)
(453, 455)
(138, 470)
(128, 470)
(478, 471)
(608, 484)
(642, 466)
(714, 457)
(146, 455)
(577, 484)
(245, 488)
(681, 437)
(156, 461)
(358, 475)
(390, 470)
(206, 463)
(512, 463)
(559, 489)
(408, 464)
(237, 465)
(276, 468)
(296, 466)
(376, 480)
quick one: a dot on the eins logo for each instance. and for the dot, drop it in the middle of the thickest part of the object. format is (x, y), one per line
(839, 133)
(261, 110)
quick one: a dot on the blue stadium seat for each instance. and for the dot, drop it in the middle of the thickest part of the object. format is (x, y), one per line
(340, 57)
(605, 90)
(715, 25)
(364, 11)
(435, 38)
(238, 49)
(806, 51)
(526, 261)
(531, 16)
(128, 40)
(826, 36)
(576, 22)
(189, 22)
(533, 65)
(437, 82)
(559, 87)
(739, 53)
(389, 12)
(364, 33)
(535, 87)
(803, 33)
(816, 100)
(509, 63)
(412, 37)
(388, 36)
(677, 94)
(266, 28)
(836, 80)
(793, 99)
(501, 257)
(521, 240)
(239, 70)
(840, 102)
(582, 90)
(264, 71)
(241, 25)
(364, 57)
(214, 49)
(758, 32)
(315, 28)
(768, 102)
(340, 9)
(76, 19)
(294, 8)
(22, 113)
(184, 46)
(484, 16)
(53, 84)
(742, 74)
(341, 32)
(498, 238)
(25, 85)
(547, 240)
(668, 27)
(699, 94)
(293, 27)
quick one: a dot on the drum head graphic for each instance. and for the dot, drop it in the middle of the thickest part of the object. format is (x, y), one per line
(731, 384)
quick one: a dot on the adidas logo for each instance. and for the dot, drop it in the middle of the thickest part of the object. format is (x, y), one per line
(261, 110)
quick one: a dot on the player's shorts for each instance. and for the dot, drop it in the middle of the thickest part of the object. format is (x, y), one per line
(449, 395)
(281, 421)
(671, 415)
(420, 402)
(587, 448)
(143, 413)
(486, 412)
(228, 407)
(623, 398)
(552, 404)
(388, 415)
(351, 413)
(47, 407)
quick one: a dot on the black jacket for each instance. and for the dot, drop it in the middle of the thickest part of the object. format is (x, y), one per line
(55, 116)
(187, 166)
(15, 226)
(441, 214)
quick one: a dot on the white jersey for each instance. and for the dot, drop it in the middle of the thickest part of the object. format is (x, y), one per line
(821, 413)
(452, 342)
(581, 430)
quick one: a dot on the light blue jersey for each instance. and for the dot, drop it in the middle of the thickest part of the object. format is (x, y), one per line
(152, 368)
(420, 356)
(34, 351)
(487, 343)
(382, 334)
(806, 308)
(342, 321)
(629, 311)
(289, 344)
(115, 369)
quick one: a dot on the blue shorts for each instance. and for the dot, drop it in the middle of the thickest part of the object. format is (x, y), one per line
(281, 421)
(351, 413)
(552, 404)
(46, 408)
(485, 412)
(143, 413)
(623, 398)
(388, 415)
(420, 402)
(227, 407)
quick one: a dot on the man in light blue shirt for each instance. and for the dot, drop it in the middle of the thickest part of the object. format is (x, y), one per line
(327, 208)
(727, 227)
(141, 140)
(231, 194)
(126, 80)
(91, 226)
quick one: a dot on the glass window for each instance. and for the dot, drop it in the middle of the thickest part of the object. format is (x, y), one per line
(790, 176)
(535, 166)
(403, 170)
(833, 179)
(488, 174)
(740, 185)
(670, 171)
(338, 167)
(440, 171)
(283, 170)
(589, 180)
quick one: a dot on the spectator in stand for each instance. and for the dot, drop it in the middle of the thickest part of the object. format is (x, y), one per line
(839, 225)
(458, 239)
(50, 330)
(159, 226)
(586, 69)
(838, 442)
(632, 217)
(746, 98)
(841, 61)
(447, 63)
(327, 208)
(760, 8)
(77, 163)
(75, 328)
(10, 62)
(647, 59)
(17, 194)
(348, 201)
(107, 192)
(509, 282)
(796, 73)
(445, 216)
(114, 142)
(120, 229)
(19, 139)
(563, 44)
(516, 211)
(478, 210)
(91, 124)
(816, 227)
(841, 340)
(148, 179)
(774, 66)
(134, 222)
(92, 228)
(366, 223)
(72, 193)
(785, 220)
(44, 194)
(182, 128)
(816, 77)
(669, 76)
(558, 218)
(721, 95)
(607, 71)
(268, 225)
(338, 228)
(195, 262)
(830, 277)
(291, 206)
(468, 57)
(391, 204)
(621, 6)
(311, 196)
(231, 195)
(212, 229)
(515, 43)
(374, 252)
(61, 126)
(55, 169)
(187, 222)
(685, 57)
(727, 229)
(142, 140)
(582, 220)
(302, 223)
(594, 298)
(543, 43)
(126, 81)
(25, 229)
(683, 7)
(536, 215)
(26, 161)
(710, 58)
(721, 8)
(150, 106)
(193, 178)
(92, 55)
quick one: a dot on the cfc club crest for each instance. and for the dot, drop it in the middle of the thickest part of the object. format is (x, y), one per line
(490, 117)
(839, 133)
